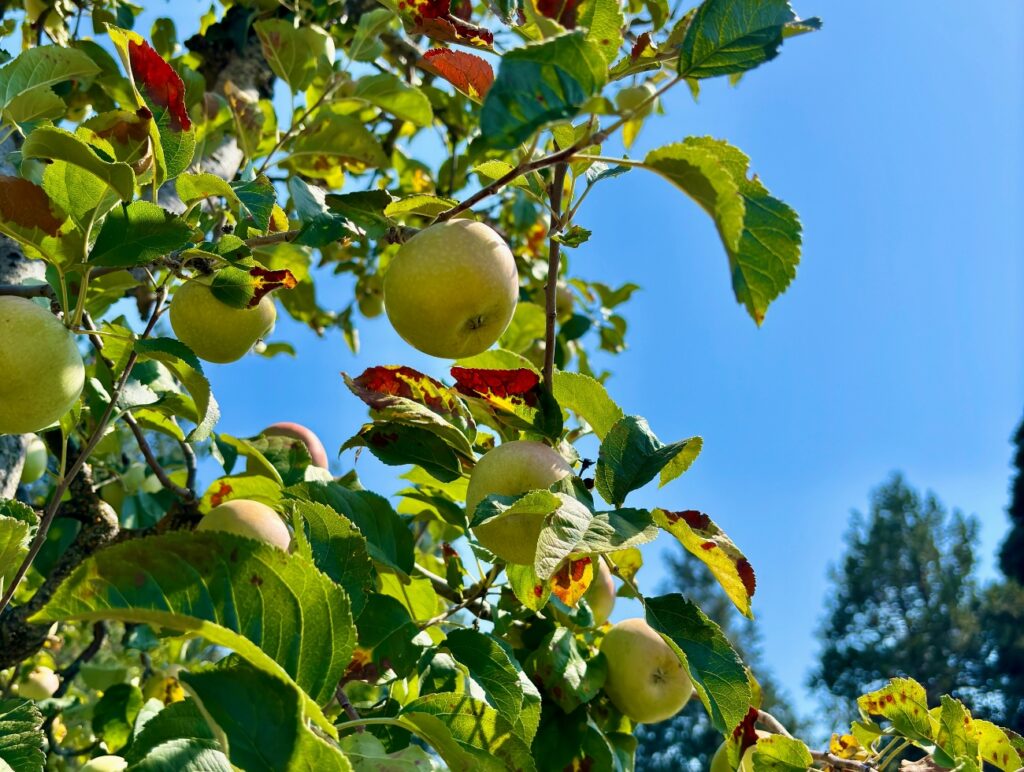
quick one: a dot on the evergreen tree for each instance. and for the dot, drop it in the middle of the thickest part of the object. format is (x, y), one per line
(1011, 558)
(904, 602)
(688, 741)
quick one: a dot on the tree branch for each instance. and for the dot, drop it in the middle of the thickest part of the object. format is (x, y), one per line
(151, 460)
(471, 597)
(28, 290)
(478, 607)
(554, 263)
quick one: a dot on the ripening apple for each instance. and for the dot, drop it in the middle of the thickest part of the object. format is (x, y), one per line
(450, 291)
(40, 684)
(631, 97)
(36, 456)
(508, 470)
(42, 371)
(646, 680)
(316, 449)
(720, 761)
(214, 330)
(105, 764)
(600, 595)
(248, 518)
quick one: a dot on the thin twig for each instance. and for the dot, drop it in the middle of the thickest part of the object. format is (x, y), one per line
(348, 707)
(67, 674)
(62, 486)
(772, 723)
(554, 263)
(271, 238)
(154, 464)
(475, 593)
(823, 757)
(478, 607)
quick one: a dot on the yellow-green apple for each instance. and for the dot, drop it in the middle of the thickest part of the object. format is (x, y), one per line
(646, 680)
(248, 518)
(600, 595)
(40, 684)
(316, 449)
(370, 292)
(36, 456)
(720, 761)
(508, 470)
(42, 371)
(632, 97)
(105, 764)
(450, 291)
(214, 330)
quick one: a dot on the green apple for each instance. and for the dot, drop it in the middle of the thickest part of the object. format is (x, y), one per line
(631, 97)
(40, 684)
(564, 302)
(720, 761)
(248, 518)
(450, 291)
(214, 330)
(103, 675)
(508, 470)
(42, 371)
(646, 680)
(370, 292)
(36, 456)
(600, 595)
(105, 764)
(316, 449)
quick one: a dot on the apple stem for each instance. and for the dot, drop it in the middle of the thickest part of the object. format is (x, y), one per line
(554, 263)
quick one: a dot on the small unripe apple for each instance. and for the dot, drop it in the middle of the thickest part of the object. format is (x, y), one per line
(106, 764)
(600, 595)
(214, 330)
(41, 371)
(451, 290)
(508, 470)
(564, 302)
(370, 292)
(316, 449)
(248, 518)
(720, 761)
(36, 456)
(631, 97)
(646, 680)
(40, 684)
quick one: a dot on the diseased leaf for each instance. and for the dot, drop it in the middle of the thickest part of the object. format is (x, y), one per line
(246, 286)
(295, 54)
(904, 702)
(572, 579)
(560, 669)
(778, 753)
(469, 73)
(393, 95)
(707, 542)
(717, 673)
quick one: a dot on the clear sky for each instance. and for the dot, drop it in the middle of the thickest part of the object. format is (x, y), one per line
(896, 134)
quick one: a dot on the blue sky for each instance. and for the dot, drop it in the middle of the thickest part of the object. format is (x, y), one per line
(896, 133)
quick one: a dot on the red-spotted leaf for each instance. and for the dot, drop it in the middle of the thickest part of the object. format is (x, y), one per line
(532, 591)
(571, 581)
(469, 73)
(245, 287)
(159, 84)
(705, 540)
(559, 668)
(904, 702)
(512, 399)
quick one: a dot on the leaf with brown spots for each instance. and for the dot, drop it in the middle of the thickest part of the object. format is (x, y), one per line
(904, 702)
(469, 73)
(513, 399)
(559, 668)
(246, 286)
(571, 581)
(531, 590)
(705, 540)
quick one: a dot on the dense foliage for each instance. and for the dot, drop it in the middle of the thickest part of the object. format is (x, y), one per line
(283, 617)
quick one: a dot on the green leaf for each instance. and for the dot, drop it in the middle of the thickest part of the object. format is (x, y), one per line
(500, 677)
(762, 235)
(630, 457)
(527, 325)
(681, 462)
(604, 21)
(37, 69)
(275, 610)
(185, 365)
(389, 540)
(365, 45)
(365, 208)
(320, 226)
(904, 702)
(21, 735)
(421, 204)
(732, 36)
(177, 738)
(192, 188)
(367, 754)
(114, 715)
(587, 398)
(387, 628)
(539, 84)
(15, 536)
(138, 234)
(707, 542)
(262, 718)
(294, 53)
(51, 143)
(393, 95)
(956, 746)
(399, 444)
(337, 547)
(256, 199)
(562, 532)
(560, 669)
(338, 139)
(777, 753)
(616, 530)
(468, 734)
(717, 673)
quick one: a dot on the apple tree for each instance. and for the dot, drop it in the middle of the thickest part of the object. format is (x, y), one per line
(164, 198)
